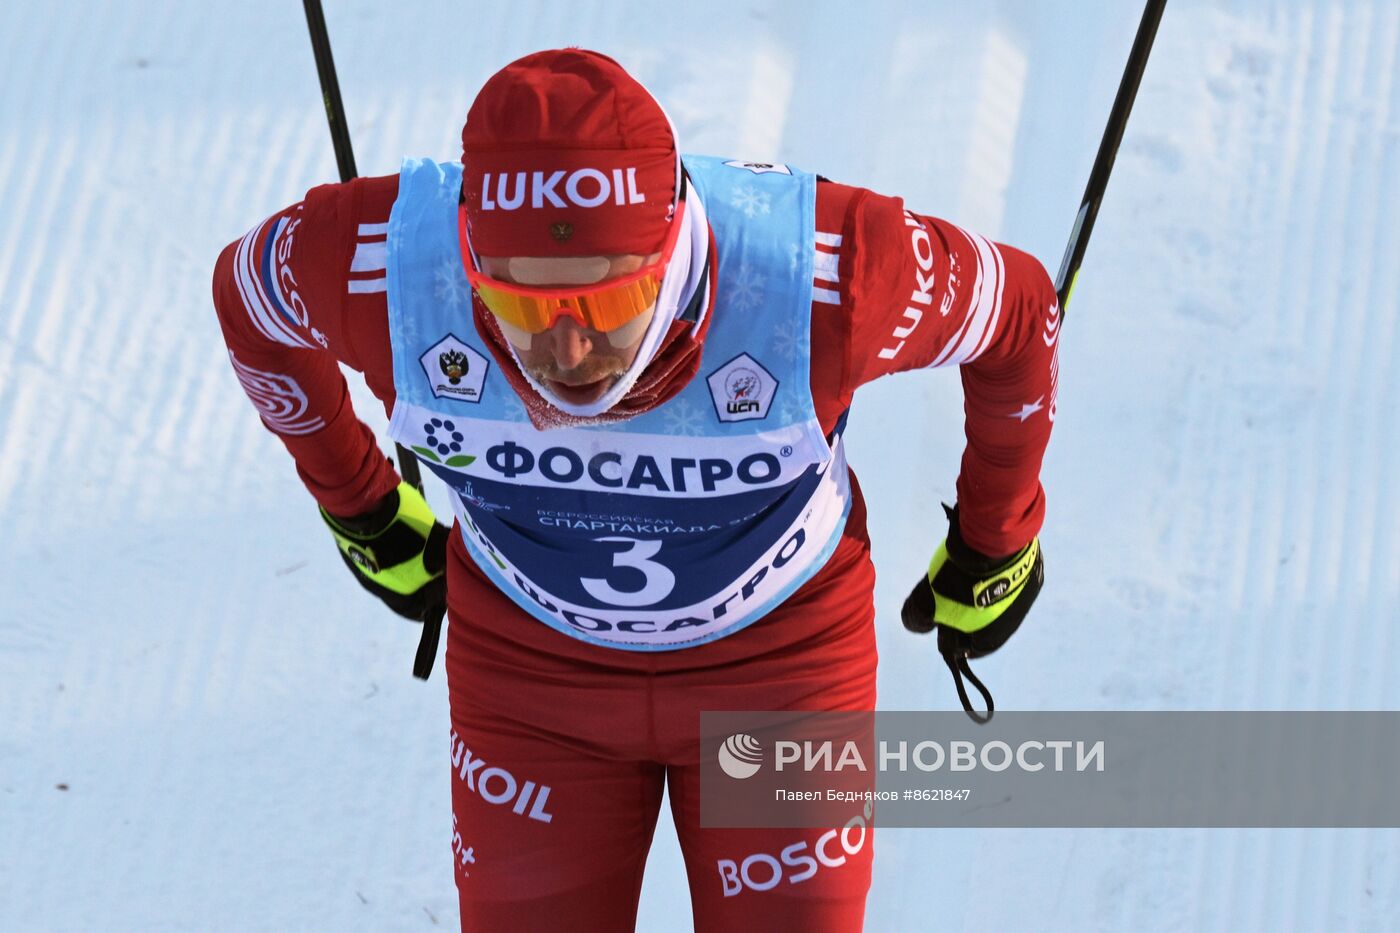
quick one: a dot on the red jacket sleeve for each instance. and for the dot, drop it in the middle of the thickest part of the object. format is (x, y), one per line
(299, 293)
(918, 292)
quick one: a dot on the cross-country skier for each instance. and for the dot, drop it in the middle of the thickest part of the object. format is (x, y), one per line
(633, 369)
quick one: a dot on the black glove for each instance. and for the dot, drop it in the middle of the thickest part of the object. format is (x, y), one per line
(398, 552)
(976, 602)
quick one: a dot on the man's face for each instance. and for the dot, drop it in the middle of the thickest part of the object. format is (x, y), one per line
(577, 363)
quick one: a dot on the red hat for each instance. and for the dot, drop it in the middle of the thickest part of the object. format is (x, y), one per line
(565, 154)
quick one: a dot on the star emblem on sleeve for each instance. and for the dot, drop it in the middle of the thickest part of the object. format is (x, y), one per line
(1028, 409)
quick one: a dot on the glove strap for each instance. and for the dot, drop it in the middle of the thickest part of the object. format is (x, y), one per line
(427, 647)
(958, 667)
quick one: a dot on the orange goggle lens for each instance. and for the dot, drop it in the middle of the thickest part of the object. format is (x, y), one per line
(535, 310)
(603, 307)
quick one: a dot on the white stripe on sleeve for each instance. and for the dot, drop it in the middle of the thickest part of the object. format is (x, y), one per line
(264, 316)
(367, 286)
(981, 321)
(824, 267)
(370, 257)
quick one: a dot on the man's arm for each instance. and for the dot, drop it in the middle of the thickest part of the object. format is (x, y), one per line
(298, 293)
(918, 292)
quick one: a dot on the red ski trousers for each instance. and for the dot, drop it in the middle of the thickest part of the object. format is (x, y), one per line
(561, 750)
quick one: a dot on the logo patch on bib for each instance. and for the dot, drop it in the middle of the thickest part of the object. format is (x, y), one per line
(742, 389)
(760, 168)
(455, 370)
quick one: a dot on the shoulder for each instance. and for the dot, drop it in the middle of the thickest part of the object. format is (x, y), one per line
(339, 224)
(312, 275)
(338, 254)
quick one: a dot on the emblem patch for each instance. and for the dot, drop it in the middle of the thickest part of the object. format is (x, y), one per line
(455, 370)
(760, 168)
(742, 389)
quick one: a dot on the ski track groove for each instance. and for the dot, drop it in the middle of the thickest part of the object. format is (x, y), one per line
(1332, 462)
(1239, 854)
(1368, 390)
(18, 193)
(16, 290)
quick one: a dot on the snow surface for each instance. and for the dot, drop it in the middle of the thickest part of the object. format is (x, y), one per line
(205, 726)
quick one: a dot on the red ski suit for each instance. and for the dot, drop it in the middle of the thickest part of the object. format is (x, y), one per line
(585, 737)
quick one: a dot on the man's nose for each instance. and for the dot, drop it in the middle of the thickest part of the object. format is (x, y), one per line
(569, 343)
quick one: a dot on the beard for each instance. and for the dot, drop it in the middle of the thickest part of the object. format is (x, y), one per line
(586, 373)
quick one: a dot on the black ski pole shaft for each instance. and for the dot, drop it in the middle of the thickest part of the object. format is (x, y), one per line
(1108, 150)
(330, 89)
(344, 157)
(345, 161)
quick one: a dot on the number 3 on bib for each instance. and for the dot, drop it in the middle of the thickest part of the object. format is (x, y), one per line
(659, 578)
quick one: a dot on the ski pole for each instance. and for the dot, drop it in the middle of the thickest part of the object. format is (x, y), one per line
(345, 161)
(1108, 150)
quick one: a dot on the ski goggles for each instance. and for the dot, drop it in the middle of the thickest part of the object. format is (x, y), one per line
(604, 307)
